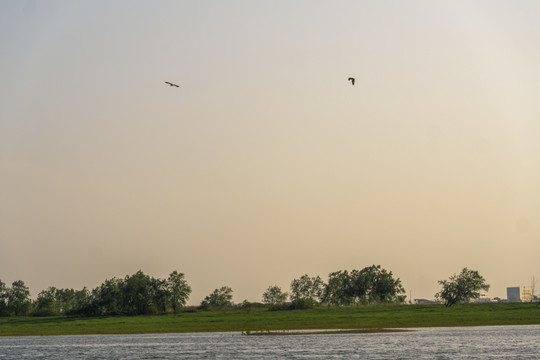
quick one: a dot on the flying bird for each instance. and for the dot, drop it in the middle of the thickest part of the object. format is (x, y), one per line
(351, 79)
(166, 82)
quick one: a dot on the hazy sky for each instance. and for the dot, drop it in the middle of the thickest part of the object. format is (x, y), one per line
(265, 163)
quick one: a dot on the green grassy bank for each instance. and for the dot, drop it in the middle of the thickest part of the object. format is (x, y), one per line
(354, 317)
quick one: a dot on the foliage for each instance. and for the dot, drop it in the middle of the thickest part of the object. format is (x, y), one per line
(106, 299)
(461, 288)
(3, 299)
(219, 298)
(338, 290)
(18, 299)
(274, 296)
(140, 294)
(370, 285)
(179, 290)
(306, 291)
(159, 296)
(137, 294)
(374, 284)
(46, 304)
(53, 301)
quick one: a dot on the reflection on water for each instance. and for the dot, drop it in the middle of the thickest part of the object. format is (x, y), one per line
(499, 342)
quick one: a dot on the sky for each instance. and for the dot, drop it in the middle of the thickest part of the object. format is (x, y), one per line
(266, 163)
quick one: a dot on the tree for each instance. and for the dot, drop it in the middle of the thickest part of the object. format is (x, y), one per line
(179, 290)
(462, 287)
(3, 299)
(338, 290)
(218, 298)
(70, 300)
(135, 291)
(384, 288)
(306, 291)
(46, 303)
(106, 299)
(372, 284)
(159, 295)
(273, 296)
(18, 299)
(74, 302)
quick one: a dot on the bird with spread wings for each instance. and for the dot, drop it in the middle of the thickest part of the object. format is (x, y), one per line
(171, 84)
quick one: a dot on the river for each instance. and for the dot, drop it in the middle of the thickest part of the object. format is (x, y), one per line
(487, 342)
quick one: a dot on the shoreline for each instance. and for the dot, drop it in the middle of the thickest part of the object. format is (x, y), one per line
(325, 332)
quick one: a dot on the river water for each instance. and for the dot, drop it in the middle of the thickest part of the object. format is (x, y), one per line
(489, 342)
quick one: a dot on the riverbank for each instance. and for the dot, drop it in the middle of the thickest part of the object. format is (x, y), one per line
(260, 319)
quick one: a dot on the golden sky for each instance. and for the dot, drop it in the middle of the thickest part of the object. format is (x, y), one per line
(266, 163)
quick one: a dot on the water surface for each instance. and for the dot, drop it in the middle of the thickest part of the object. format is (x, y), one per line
(489, 342)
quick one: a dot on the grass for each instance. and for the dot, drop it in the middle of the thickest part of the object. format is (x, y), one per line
(353, 317)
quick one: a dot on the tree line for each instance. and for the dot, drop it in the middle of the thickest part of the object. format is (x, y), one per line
(135, 294)
(370, 285)
(140, 294)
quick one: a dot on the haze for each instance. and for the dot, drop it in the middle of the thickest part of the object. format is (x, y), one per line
(266, 163)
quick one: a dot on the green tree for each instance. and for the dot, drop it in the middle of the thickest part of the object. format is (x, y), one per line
(82, 302)
(46, 303)
(386, 289)
(18, 299)
(159, 295)
(179, 290)
(273, 296)
(74, 302)
(67, 300)
(106, 298)
(338, 289)
(373, 284)
(306, 291)
(462, 288)
(3, 299)
(218, 298)
(136, 294)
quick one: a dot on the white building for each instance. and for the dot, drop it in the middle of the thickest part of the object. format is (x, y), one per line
(483, 298)
(425, 302)
(526, 294)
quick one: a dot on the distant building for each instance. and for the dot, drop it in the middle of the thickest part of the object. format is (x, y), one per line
(526, 294)
(519, 294)
(424, 302)
(513, 294)
(483, 298)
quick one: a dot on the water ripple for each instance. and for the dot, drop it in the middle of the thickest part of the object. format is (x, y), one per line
(491, 342)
